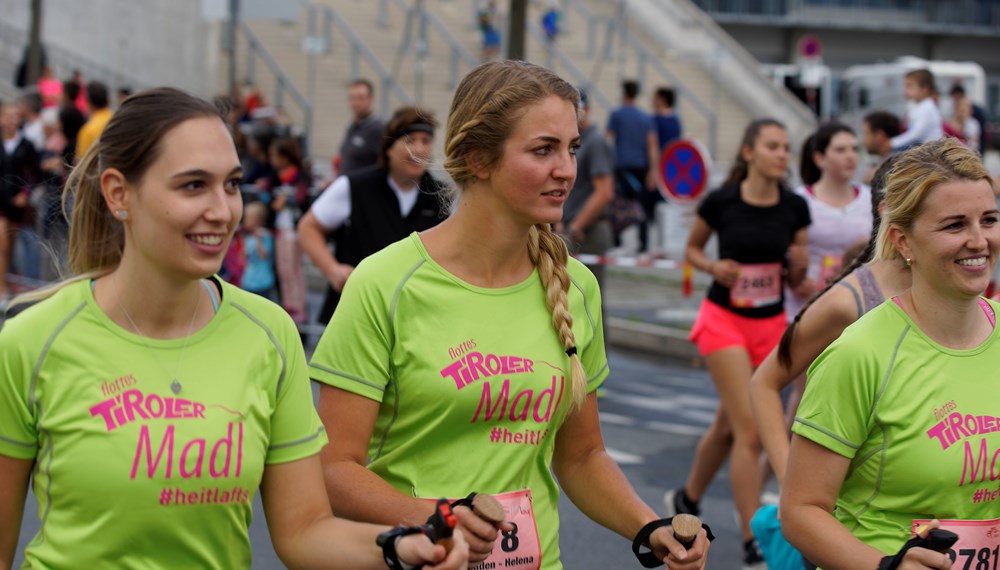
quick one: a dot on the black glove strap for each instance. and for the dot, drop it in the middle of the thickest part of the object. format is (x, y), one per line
(466, 502)
(648, 559)
(387, 540)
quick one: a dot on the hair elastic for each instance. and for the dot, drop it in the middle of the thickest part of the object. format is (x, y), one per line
(571, 351)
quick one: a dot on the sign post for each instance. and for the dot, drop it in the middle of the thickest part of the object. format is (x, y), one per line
(682, 177)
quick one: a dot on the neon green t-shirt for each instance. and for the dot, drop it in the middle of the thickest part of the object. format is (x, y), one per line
(472, 381)
(129, 473)
(919, 422)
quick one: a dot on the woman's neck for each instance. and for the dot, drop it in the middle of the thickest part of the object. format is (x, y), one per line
(956, 323)
(836, 193)
(151, 305)
(758, 190)
(893, 277)
(480, 248)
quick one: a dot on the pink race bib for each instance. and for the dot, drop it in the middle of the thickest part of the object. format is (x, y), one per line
(758, 285)
(978, 546)
(830, 267)
(519, 548)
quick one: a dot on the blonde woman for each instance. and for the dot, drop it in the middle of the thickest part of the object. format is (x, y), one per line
(149, 400)
(907, 439)
(465, 358)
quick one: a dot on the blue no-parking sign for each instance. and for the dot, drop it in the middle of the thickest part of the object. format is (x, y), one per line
(683, 172)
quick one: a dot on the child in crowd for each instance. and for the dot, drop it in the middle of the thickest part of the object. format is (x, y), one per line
(923, 119)
(258, 252)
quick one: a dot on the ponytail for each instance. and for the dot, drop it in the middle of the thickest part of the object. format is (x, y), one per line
(130, 143)
(548, 252)
(739, 170)
(96, 238)
(808, 169)
(740, 167)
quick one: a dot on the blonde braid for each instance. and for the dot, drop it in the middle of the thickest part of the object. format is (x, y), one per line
(548, 252)
(456, 140)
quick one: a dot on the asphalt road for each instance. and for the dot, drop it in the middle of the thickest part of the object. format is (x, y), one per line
(652, 415)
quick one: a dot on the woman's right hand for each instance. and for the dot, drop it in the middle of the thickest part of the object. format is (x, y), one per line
(725, 272)
(918, 558)
(418, 549)
(923, 559)
(480, 534)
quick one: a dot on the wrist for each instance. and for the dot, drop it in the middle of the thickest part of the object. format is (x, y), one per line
(711, 268)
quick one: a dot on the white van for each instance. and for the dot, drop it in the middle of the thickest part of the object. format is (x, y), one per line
(879, 86)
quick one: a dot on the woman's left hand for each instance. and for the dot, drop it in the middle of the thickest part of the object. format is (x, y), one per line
(668, 549)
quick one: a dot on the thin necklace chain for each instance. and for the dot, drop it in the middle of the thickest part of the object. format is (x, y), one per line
(175, 384)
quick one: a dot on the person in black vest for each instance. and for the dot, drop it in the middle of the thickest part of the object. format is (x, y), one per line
(366, 211)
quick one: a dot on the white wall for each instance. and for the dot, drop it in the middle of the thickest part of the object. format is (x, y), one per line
(151, 42)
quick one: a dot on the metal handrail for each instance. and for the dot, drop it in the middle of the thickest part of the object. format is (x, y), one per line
(64, 60)
(738, 52)
(646, 57)
(256, 49)
(459, 53)
(593, 22)
(578, 77)
(359, 49)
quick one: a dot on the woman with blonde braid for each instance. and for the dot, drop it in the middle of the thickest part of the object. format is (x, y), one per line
(465, 358)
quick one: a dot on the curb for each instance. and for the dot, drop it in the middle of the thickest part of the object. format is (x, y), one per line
(650, 338)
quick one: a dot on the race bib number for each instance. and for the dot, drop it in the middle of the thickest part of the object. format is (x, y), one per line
(518, 548)
(758, 285)
(978, 546)
(830, 268)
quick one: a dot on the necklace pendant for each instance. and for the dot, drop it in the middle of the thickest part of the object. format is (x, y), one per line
(175, 386)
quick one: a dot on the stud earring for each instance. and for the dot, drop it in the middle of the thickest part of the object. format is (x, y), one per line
(123, 214)
(909, 262)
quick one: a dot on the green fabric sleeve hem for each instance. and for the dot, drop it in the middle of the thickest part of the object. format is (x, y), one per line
(352, 384)
(18, 451)
(595, 381)
(286, 453)
(818, 435)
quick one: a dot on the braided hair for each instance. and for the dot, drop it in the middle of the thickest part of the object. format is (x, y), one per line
(487, 105)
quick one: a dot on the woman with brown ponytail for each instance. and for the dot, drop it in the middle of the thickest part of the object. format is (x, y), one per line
(147, 400)
(465, 358)
(761, 228)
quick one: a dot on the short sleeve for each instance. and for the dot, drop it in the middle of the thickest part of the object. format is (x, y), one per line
(802, 217)
(592, 352)
(602, 159)
(355, 350)
(18, 432)
(709, 209)
(296, 430)
(333, 206)
(836, 409)
(613, 122)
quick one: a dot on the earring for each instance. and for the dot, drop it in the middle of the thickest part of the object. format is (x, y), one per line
(123, 214)
(909, 262)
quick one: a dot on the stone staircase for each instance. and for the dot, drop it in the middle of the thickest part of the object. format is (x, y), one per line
(429, 80)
